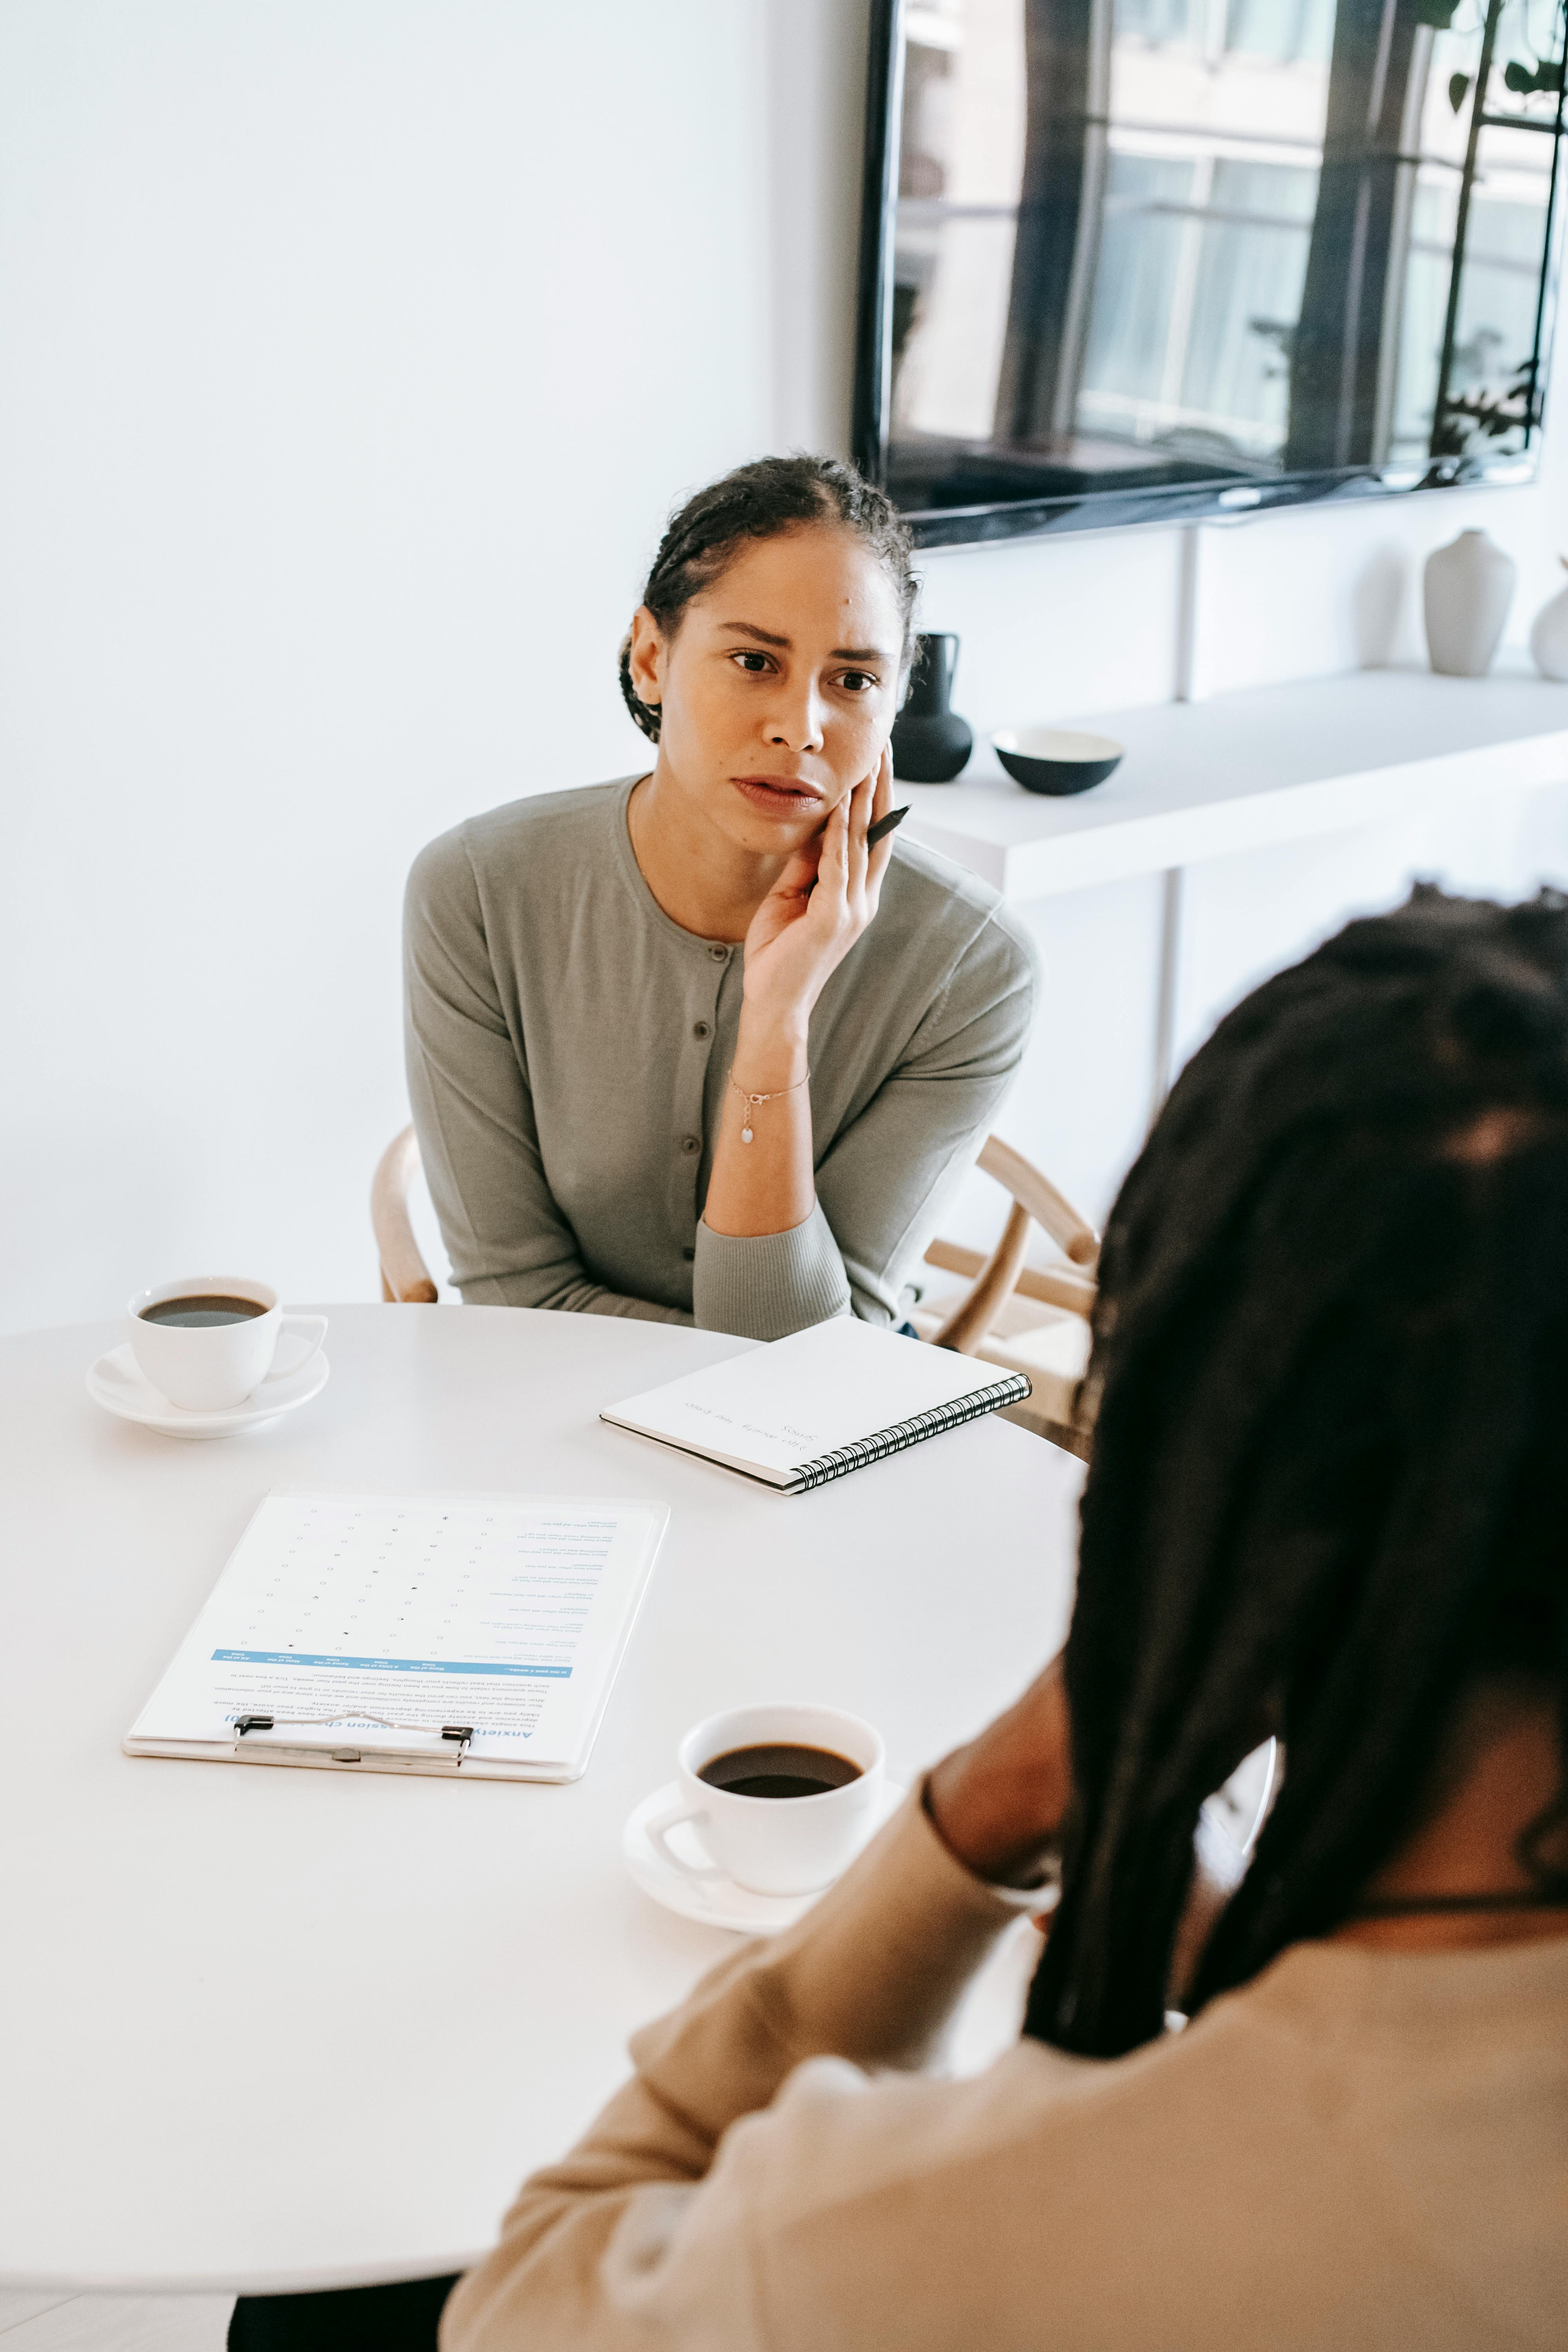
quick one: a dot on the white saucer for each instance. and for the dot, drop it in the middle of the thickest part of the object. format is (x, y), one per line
(118, 1383)
(716, 1902)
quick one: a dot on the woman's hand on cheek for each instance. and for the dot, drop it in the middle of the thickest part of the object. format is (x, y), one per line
(820, 906)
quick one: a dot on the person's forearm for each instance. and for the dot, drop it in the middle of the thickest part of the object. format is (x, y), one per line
(766, 1185)
(763, 1174)
(1000, 1803)
(872, 1974)
(594, 1299)
(571, 1293)
(766, 1286)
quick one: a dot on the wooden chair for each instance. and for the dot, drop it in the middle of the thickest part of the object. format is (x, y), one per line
(1032, 1319)
(405, 1276)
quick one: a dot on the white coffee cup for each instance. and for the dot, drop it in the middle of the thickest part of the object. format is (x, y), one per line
(775, 1845)
(207, 1369)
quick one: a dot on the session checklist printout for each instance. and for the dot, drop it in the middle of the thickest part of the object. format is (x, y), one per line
(507, 1614)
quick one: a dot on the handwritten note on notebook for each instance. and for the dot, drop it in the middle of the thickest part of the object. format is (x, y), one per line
(820, 1403)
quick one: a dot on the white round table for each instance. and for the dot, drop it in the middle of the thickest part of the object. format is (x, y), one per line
(272, 2030)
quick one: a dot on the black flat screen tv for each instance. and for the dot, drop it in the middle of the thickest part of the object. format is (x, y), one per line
(1151, 260)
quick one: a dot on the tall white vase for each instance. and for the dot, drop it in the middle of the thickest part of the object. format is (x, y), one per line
(1469, 589)
(1549, 636)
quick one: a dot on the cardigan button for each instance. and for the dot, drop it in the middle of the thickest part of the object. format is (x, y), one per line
(718, 954)
(702, 1028)
(690, 1143)
(689, 1255)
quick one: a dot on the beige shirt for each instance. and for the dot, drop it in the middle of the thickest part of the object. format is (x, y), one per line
(569, 1048)
(1359, 2152)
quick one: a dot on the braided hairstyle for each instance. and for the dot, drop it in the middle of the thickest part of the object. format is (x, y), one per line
(762, 501)
(1329, 1477)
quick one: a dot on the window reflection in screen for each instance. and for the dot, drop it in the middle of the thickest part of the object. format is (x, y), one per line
(1144, 243)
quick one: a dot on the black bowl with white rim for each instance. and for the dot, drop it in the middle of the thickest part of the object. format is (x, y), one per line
(1056, 760)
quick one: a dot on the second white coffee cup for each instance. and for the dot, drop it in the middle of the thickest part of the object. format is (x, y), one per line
(207, 1369)
(770, 1844)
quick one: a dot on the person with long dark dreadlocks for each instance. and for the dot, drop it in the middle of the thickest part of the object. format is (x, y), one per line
(1328, 1503)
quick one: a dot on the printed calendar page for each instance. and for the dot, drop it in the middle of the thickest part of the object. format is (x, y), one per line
(372, 1623)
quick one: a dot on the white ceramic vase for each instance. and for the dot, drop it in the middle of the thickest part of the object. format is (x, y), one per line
(1548, 635)
(1469, 589)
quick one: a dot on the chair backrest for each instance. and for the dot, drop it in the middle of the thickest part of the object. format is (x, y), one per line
(1035, 1198)
(405, 1276)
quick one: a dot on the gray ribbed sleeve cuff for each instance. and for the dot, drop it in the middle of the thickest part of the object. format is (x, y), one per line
(765, 1286)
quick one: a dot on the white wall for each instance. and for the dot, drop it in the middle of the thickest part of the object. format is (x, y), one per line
(354, 350)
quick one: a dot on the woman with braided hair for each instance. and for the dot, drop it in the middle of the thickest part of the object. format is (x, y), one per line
(1328, 1503)
(687, 1046)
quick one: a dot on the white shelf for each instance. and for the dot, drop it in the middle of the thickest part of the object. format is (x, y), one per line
(1244, 771)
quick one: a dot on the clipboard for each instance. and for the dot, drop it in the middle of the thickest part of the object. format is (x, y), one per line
(475, 1636)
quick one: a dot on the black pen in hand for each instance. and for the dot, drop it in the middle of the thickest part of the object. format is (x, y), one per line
(885, 825)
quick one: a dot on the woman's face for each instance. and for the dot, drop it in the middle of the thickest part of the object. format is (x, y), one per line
(779, 687)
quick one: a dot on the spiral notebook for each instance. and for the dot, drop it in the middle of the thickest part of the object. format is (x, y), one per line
(818, 1404)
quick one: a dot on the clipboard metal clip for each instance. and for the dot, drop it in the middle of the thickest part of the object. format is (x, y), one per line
(451, 1742)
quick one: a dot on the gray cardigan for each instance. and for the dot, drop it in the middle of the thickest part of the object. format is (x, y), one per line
(569, 1047)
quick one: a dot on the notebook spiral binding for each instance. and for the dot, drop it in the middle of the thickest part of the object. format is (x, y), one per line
(1011, 1389)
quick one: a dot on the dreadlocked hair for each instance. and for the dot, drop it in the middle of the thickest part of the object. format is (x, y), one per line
(1329, 1476)
(762, 501)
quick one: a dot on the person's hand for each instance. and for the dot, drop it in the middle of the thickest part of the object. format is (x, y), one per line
(998, 1804)
(818, 906)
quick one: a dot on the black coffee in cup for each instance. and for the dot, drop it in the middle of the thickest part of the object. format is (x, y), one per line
(779, 1771)
(200, 1313)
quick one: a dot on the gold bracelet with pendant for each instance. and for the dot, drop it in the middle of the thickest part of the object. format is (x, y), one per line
(751, 1100)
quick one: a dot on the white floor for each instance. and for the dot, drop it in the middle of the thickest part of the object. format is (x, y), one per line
(95, 2322)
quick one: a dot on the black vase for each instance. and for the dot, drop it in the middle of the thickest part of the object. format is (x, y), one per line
(930, 742)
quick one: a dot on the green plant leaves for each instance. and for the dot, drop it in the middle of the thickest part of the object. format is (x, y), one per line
(1548, 76)
(1439, 13)
(1488, 416)
(1458, 84)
